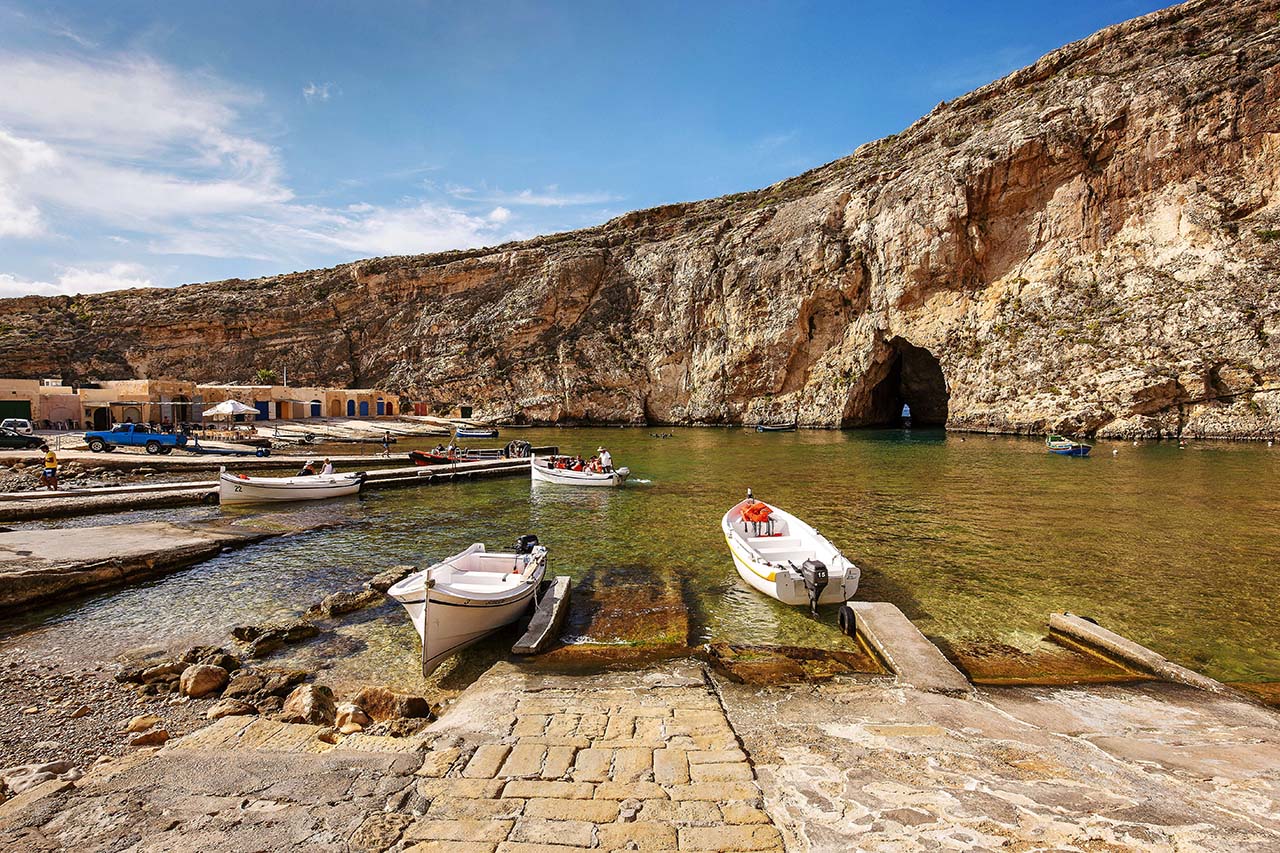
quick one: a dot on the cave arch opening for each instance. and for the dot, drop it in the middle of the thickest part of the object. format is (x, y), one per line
(913, 376)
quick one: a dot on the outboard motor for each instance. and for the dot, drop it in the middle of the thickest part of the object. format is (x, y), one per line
(814, 573)
(526, 543)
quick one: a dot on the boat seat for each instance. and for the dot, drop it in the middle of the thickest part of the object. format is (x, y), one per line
(773, 542)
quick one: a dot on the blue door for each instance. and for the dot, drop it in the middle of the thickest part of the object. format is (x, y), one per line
(382, 408)
(315, 408)
(351, 408)
(364, 408)
(264, 409)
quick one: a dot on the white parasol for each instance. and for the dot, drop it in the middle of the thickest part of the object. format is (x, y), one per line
(230, 408)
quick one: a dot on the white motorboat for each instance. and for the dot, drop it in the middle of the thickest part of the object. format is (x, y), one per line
(544, 470)
(461, 600)
(241, 488)
(781, 556)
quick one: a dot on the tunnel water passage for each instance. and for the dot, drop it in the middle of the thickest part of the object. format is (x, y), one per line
(914, 377)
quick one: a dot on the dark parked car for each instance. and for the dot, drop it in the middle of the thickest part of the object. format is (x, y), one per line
(10, 438)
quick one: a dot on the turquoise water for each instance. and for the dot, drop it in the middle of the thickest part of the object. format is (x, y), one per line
(977, 539)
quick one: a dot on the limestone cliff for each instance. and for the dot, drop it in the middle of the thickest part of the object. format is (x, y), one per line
(1091, 243)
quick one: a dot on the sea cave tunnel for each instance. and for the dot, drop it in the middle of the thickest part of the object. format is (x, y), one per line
(913, 376)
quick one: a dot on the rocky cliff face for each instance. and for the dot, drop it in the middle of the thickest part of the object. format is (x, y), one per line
(1091, 243)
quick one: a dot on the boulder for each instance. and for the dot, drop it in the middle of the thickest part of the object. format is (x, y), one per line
(154, 737)
(200, 679)
(140, 723)
(162, 672)
(213, 656)
(383, 581)
(231, 708)
(338, 603)
(265, 644)
(309, 703)
(383, 704)
(278, 682)
(247, 633)
(350, 713)
(244, 685)
(296, 632)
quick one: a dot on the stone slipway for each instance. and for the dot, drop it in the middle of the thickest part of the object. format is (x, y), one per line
(670, 758)
(908, 654)
(39, 565)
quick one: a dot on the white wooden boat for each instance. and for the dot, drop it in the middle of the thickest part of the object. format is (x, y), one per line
(544, 470)
(461, 600)
(786, 558)
(241, 488)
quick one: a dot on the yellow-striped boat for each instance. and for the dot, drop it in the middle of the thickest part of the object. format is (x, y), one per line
(783, 557)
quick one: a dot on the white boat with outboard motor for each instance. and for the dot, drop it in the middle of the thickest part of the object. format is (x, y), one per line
(463, 599)
(783, 557)
(241, 488)
(544, 470)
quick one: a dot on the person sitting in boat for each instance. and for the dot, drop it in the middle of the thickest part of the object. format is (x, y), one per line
(606, 460)
(308, 470)
(328, 466)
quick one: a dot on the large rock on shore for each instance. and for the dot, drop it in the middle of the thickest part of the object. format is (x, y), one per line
(383, 704)
(200, 680)
(310, 703)
(1089, 243)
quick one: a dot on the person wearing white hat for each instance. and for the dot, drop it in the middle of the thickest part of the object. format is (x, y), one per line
(606, 460)
(308, 470)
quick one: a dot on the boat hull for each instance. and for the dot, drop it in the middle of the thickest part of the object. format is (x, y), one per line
(775, 578)
(542, 474)
(449, 618)
(233, 489)
(779, 428)
(476, 433)
(1078, 450)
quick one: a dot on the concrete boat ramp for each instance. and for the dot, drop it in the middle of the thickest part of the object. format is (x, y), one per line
(672, 757)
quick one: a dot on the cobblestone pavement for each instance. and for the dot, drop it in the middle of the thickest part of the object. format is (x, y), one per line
(522, 763)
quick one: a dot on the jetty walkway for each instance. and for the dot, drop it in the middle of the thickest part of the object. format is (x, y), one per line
(24, 506)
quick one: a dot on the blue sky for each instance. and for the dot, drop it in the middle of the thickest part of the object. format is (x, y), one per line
(158, 143)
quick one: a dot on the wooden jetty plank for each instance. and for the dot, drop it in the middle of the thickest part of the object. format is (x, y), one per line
(547, 619)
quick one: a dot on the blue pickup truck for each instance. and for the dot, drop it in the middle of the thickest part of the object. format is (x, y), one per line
(134, 435)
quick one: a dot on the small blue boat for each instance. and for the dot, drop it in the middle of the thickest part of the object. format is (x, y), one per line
(476, 432)
(1065, 446)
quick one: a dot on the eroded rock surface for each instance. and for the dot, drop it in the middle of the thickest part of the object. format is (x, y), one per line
(1089, 243)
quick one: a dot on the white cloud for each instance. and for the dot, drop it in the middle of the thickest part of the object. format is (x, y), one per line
(163, 161)
(547, 197)
(77, 280)
(313, 92)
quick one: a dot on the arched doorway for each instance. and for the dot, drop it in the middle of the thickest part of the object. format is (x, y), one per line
(382, 407)
(391, 407)
(181, 407)
(102, 418)
(316, 408)
(131, 415)
(364, 408)
(351, 408)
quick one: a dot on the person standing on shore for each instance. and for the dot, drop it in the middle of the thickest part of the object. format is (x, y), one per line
(50, 474)
(386, 443)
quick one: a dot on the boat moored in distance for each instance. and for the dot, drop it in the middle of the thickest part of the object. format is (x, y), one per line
(546, 469)
(445, 457)
(461, 600)
(1066, 447)
(241, 488)
(775, 427)
(475, 432)
(783, 557)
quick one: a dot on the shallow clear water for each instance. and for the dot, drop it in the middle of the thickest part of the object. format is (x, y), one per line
(976, 539)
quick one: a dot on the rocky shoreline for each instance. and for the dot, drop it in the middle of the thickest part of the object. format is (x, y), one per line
(64, 717)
